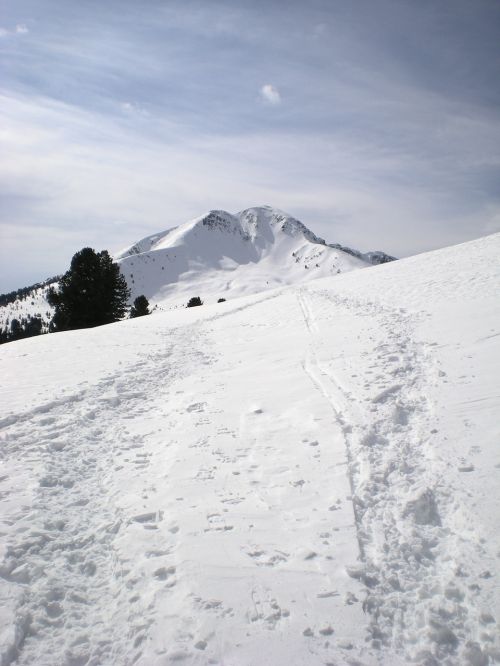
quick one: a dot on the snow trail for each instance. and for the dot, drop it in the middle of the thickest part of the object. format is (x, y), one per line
(265, 533)
(415, 566)
(149, 491)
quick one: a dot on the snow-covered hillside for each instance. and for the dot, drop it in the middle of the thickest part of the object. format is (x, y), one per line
(25, 304)
(220, 255)
(305, 476)
(217, 255)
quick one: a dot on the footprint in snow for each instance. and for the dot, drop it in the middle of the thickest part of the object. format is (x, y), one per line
(148, 520)
(197, 407)
(263, 558)
(217, 523)
(164, 573)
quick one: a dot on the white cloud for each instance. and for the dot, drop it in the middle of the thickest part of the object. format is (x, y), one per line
(20, 29)
(133, 109)
(270, 94)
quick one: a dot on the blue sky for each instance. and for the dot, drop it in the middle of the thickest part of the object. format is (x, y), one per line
(375, 122)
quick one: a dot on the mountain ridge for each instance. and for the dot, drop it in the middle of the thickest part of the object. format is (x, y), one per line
(250, 251)
(215, 218)
(217, 254)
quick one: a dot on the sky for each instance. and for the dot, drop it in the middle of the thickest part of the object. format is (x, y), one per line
(374, 122)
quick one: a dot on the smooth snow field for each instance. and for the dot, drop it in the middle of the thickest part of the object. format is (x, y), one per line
(308, 476)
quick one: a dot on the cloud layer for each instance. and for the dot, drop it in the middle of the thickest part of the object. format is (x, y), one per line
(120, 123)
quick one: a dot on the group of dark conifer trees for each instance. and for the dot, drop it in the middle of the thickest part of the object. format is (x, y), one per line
(22, 327)
(91, 293)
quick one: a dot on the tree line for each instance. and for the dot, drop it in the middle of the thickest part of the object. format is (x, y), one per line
(24, 292)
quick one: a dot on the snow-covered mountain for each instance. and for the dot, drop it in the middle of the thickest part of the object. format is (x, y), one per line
(217, 255)
(224, 255)
(301, 477)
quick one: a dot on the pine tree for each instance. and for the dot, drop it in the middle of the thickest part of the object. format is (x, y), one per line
(16, 331)
(194, 301)
(93, 292)
(140, 307)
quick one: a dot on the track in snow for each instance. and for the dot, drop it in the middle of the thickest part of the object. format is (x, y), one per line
(416, 568)
(203, 504)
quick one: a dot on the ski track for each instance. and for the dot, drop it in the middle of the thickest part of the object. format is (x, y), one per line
(415, 558)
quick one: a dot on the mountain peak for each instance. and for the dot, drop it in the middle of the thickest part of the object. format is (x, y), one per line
(220, 253)
(262, 216)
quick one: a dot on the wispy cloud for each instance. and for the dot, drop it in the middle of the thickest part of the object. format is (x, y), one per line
(270, 94)
(134, 109)
(105, 182)
(19, 29)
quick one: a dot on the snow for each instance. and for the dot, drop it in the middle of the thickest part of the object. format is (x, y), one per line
(220, 255)
(217, 255)
(34, 304)
(308, 475)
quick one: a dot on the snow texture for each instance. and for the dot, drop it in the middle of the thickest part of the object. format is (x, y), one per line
(309, 475)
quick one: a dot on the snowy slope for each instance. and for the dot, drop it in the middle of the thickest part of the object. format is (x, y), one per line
(214, 256)
(307, 476)
(220, 255)
(33, 303)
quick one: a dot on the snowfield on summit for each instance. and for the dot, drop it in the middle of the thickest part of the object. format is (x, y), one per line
(307, 474)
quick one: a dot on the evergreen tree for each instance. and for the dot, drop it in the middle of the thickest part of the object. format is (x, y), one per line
(140, 307)
(93, 292)
(194, 301)
(32, 326)
(16, 331)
